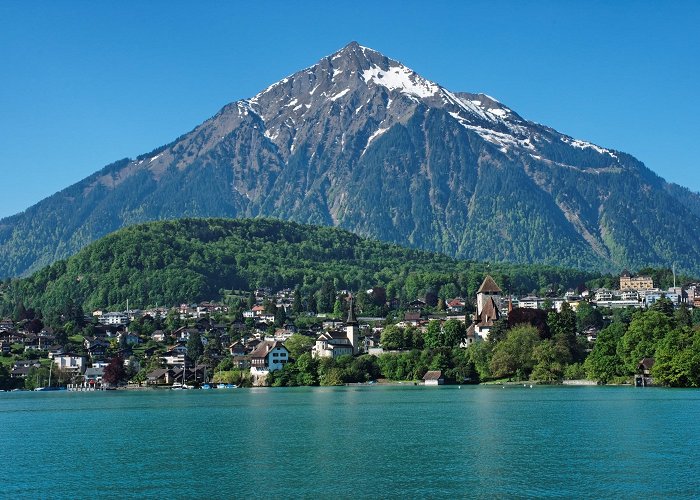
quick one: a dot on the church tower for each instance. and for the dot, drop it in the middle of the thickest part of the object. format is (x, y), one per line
(352, 328)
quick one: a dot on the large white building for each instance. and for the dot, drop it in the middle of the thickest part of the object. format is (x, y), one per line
(70, 363)
(113, 318)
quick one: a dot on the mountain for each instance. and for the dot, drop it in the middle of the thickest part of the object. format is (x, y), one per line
(362, 142)
(171, 262)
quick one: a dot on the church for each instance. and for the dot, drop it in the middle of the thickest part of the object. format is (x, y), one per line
(488, 305)
(336, 343)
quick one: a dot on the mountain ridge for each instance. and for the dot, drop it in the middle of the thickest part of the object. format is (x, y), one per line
(362, 142)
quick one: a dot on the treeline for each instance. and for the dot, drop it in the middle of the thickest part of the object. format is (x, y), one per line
(190, 260)
(671, 337)
(531, 345)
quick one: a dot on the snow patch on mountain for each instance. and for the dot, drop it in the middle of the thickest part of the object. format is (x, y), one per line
(402, 79)
(376, 134)
(339, 94)
(576, 143)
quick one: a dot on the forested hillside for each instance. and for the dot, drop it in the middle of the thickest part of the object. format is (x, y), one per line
(187, 260)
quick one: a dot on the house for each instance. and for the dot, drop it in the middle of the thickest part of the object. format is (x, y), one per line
(241, 362)
(158, 336)
(332, 344)
(160, 376)
(130, 338)
(530, 302)
(433, 377)
(455, 305)
(174, 356)
(93, 376)
(70, 363)
(114, 318)
(268, 356)
(643, 375)
(237, 349)
(412, 317)
(21, 368)
(5, 347)
(417, 304)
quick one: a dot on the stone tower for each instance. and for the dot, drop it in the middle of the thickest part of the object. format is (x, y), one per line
(488, 290)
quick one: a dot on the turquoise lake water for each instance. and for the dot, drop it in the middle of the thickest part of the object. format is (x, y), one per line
(353, 442)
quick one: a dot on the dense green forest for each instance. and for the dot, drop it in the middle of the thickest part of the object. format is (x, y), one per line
(187, 260)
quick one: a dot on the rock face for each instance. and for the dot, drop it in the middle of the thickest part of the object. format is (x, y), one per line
(362, 142)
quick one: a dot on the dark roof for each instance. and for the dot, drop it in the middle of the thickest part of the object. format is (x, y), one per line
(625, 274)
(158, 373)
(489, 286)
(433, 375)
(647, 363)
(489, 313)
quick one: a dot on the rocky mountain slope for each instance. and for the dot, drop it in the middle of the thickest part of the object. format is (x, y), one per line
(362, 142)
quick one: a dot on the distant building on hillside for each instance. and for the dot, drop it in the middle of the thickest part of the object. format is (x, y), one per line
(629, 282)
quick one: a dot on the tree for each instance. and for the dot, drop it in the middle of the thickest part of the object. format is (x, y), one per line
(280, 316)
(683, 317)
(194, 346)
(480, 354)
(514, 355)
(588, 316)
(498, 331)
(297, 305)
(326, 296)
(663, 305)
(114, 372)
(677, 359)
(298, 344)
(453, 333)
(432, 335)
(642, 336)
(548, 367)
(392, 338)
(604, 363)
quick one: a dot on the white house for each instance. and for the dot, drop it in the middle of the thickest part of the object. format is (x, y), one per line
(113, 318)
(268, 356)
(70, 362)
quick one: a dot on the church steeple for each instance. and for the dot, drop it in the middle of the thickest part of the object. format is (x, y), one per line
(352, 328)
(352, 320)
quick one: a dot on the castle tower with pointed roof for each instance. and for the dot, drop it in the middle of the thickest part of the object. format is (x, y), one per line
(488, 303)
(488, 290)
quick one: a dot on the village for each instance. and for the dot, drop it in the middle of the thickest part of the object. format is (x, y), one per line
(189, 346)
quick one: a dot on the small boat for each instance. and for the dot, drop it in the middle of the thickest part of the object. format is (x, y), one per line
(206, 387)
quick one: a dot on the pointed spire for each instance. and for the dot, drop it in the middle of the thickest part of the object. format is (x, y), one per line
(489, 286)
(352, 320)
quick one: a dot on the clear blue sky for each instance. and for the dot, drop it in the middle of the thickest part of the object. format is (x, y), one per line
(85, 83)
